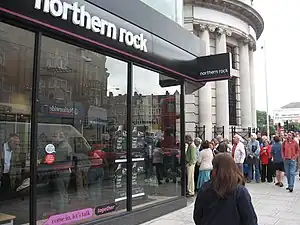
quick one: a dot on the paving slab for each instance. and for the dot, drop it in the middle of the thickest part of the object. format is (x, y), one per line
(273, 205)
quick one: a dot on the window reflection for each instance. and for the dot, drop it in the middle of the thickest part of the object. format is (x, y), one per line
(155, 141)
(80, 136)
(16, 67)
(173, 9)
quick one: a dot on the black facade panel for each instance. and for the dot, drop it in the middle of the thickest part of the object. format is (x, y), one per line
(153, 21)
(161, 55)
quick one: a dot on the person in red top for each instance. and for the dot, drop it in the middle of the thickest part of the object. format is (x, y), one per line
(290, 153)
(266, 164)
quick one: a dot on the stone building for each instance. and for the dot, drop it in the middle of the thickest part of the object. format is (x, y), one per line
(225, 26)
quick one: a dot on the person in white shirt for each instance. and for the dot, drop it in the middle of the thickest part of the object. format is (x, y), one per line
(8, 168)
(204, 161)
(238, 153)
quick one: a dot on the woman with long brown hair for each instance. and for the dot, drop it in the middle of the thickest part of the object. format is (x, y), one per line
(224, 199)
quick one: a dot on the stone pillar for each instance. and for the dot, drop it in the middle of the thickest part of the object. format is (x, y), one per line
(222, 104)
(191, 119)
(205, 98)
(252, 85)
(245, 85)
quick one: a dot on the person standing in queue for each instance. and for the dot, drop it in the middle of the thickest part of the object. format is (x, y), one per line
(10, 168)
(204, 161)
(290, 153)
(238, 153)
(197, 142)
(266, 164)
(276, 152)
(224, 197)
(191, 158)
(222, 145)
(253, 151)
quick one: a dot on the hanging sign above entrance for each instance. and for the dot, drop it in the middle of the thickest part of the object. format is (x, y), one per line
(214, 67)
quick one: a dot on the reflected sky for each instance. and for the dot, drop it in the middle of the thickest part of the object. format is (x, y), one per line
(146, 82)
(173, 9)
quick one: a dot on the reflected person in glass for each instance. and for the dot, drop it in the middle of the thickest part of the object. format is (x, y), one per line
(10, 170)
(62, 167)
(96, 175)
(158, 157)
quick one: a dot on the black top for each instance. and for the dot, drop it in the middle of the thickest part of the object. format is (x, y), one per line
(236, 209)
(222, 147)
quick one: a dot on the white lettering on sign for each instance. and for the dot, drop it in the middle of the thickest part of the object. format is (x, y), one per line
(82, 18)
(65, 110)
(214, 72)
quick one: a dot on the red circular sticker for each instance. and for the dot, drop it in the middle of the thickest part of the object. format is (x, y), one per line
(49, 159)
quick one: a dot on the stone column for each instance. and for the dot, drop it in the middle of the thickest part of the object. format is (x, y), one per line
(205, 98)
(222, 104)
(191, 119)
(252, 85)
(245, 84)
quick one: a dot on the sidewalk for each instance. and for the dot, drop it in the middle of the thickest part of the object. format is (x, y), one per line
(274, 206)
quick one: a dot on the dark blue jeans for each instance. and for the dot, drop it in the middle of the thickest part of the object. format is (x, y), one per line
(95, 177)
(256, 171)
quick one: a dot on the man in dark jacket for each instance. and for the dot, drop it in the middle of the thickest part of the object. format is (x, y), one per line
(222, 146)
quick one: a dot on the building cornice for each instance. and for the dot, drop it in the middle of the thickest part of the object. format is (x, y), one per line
(236, 8)
(218, 29)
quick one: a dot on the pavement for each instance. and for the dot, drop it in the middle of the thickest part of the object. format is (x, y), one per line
(273, 205)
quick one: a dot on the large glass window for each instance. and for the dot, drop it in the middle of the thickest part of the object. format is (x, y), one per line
(155, 138)
(81, 134)
(173, 9)
(16, 69)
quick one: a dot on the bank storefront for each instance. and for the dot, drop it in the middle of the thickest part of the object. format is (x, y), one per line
(86, 98)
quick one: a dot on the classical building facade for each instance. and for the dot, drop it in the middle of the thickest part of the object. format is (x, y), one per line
(289, 112)
(225, 26)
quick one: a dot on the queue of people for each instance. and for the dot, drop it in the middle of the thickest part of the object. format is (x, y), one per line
(269, 159)
(261, 159)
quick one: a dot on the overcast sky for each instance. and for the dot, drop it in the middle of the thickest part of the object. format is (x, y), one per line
(281, 35)
(281, 32)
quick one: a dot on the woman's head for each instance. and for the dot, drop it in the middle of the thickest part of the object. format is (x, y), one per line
(197, 141)
(225, 175)
(266, 142)
(205, 144)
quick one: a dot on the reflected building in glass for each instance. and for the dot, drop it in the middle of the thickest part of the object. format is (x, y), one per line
(173, 9)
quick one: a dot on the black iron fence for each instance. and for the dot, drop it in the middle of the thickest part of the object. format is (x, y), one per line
(218, 131)
(244, 133)
(200, 132)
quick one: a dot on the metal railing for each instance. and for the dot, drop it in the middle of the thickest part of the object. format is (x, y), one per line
(200, 132)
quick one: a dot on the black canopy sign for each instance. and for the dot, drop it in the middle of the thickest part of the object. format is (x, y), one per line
(214, 67)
